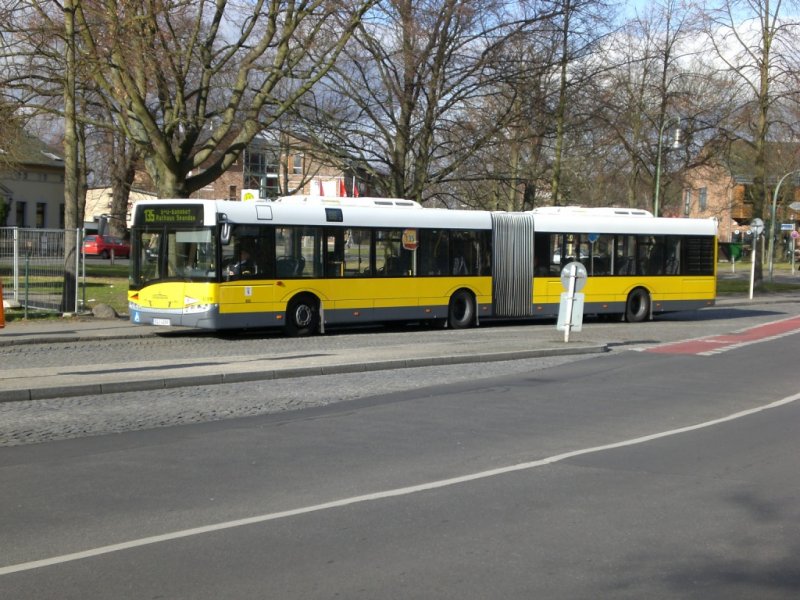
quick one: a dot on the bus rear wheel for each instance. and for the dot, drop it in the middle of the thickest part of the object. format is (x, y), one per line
(637, 308)
(461, 311)
(302, 316)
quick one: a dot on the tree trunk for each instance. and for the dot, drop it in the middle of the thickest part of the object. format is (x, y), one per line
(123, 172)
(168, 183)
(760, 191)
(561, 110)
(72, 221)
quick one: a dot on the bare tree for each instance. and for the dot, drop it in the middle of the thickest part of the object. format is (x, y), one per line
(400, 104)
(580, 27)
(512, 168)
(48, 79)
(755, 41)
(187, 83)
(652, 88)
(193, 82)
(12, 120)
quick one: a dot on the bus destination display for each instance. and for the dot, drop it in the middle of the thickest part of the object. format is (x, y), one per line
(172, 215)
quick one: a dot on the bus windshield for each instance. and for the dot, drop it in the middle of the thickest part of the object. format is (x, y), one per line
(162, 253)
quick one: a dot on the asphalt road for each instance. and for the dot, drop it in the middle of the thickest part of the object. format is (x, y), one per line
(609, 476)
(173, 355)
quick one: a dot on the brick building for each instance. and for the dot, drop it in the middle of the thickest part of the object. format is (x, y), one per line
(721, 189)
(276, 165)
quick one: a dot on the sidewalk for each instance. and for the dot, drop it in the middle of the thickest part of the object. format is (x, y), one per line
(40, 383)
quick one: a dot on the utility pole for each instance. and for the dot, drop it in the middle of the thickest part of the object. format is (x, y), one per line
(772, 220)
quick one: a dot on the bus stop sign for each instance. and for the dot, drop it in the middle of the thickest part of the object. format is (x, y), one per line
(578, 271)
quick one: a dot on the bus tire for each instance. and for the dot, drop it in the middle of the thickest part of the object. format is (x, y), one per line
(461, 311)
(302, 316)
(637, 308)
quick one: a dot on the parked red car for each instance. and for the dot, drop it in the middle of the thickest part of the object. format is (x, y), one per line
(102, 245)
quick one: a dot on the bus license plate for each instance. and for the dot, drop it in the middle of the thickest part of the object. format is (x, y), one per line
(162, 322)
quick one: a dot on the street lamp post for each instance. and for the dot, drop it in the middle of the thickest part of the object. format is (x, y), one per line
(772, 220)
(675, 144)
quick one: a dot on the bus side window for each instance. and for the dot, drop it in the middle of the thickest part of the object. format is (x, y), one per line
(653, 258)
(357, 253)
(265, 253)
(601, 255)
(673, 252)
(433, 252)
(541, 254)
(334, 252)
(625, 259)
(391, 259)
(556, 253)
(466, 252)
(485, 250)
(298, 251)
(458, 252)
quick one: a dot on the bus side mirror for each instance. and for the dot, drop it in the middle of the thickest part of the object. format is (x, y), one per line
(225, 234)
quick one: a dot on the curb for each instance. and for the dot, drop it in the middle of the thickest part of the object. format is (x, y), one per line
(66, 338)
(160, 383)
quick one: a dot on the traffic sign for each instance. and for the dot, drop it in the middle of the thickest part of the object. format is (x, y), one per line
(757, 227)
(578, 271)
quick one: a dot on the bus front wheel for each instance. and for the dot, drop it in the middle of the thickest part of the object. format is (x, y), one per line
(461, 312)
(637, 308)
(302, 316)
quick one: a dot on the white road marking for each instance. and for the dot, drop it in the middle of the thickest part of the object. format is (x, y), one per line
(403, 491)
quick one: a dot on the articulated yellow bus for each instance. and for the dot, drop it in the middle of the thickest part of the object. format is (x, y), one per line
(304, 263)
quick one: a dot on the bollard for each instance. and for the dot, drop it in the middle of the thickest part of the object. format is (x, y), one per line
(2, 310)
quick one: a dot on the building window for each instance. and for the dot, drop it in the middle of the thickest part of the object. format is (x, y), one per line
(261, 172)
(20, 216)
(232, 192)
(702, 199)
(687, 202)
(269, 187)
(41, 209)
(297, 164)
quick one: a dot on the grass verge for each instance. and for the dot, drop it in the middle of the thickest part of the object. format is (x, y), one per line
(105, 284)
(742, 286)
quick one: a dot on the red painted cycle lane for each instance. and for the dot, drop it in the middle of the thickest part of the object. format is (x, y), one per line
(716, 344)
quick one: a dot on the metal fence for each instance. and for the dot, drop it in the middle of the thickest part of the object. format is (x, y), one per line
(32, 267)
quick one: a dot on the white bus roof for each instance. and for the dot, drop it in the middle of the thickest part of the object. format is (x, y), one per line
(601, 211)
(390, 212)
(348, 201)
(580, 223)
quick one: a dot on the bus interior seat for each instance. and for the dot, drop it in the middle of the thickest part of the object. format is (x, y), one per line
(459, 266)
(625, 266)
(290, 266)
(673, 266)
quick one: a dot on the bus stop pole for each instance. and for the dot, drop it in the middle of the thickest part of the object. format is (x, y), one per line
(753, 267)
(570, 302)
